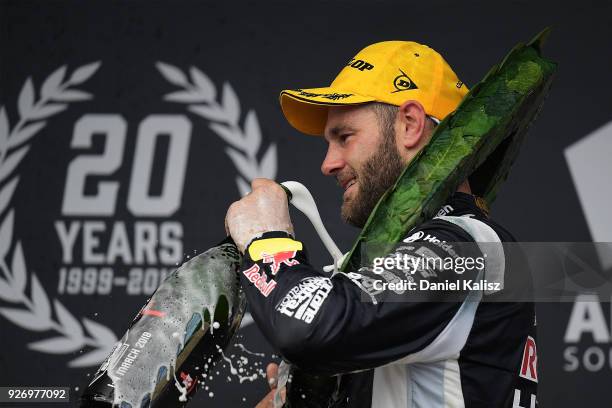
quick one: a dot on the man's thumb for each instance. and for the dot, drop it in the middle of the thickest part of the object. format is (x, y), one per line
(272, 375)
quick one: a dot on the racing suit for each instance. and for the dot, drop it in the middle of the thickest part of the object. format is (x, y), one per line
(397, 347)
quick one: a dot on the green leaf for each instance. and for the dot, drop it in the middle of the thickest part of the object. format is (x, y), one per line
(530, 74)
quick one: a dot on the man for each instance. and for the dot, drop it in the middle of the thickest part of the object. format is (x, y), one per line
(389, 347)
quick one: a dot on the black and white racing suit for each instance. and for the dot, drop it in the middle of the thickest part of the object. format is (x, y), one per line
(403, 348)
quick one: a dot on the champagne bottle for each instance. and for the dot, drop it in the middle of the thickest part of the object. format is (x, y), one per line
(176, 337)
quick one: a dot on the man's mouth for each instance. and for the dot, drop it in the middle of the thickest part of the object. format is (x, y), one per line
(347, 186)
(346, 183)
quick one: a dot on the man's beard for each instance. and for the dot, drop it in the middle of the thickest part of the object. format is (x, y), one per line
(377, 175)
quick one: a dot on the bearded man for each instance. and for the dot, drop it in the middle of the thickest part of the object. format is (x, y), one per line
(398, 347)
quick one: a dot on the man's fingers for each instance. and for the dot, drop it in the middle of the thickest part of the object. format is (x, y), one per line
(272, 375)
(267, 185)
(260, 182)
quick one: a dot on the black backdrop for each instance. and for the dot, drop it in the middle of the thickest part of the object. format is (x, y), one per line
(249, 51)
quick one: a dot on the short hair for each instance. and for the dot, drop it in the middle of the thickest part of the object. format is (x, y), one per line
(387, 114)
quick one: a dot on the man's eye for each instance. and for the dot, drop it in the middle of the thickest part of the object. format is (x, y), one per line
(344, 137)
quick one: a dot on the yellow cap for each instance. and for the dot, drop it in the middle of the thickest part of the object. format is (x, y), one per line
(391, 72)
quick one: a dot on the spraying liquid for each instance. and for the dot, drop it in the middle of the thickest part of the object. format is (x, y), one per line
(192, 314)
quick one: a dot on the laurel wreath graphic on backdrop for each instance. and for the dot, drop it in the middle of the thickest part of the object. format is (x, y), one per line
(55, 95)
(243, 144)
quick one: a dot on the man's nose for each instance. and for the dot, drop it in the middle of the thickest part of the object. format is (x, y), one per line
(333, 162)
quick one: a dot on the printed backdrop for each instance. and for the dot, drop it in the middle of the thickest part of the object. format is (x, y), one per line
(127, 128)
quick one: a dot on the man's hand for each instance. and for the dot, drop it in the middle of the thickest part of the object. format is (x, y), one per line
(272, 375)
(263, 209)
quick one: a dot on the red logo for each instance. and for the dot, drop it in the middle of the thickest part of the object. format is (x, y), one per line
(150, 312)
(252, 273)
(188, 382)
(279, 258)
(259, 280)
(529, 366)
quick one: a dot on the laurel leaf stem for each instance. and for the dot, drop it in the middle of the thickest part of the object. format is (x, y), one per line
(7, 274)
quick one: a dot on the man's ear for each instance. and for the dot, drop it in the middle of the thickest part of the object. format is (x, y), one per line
(412, 123)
